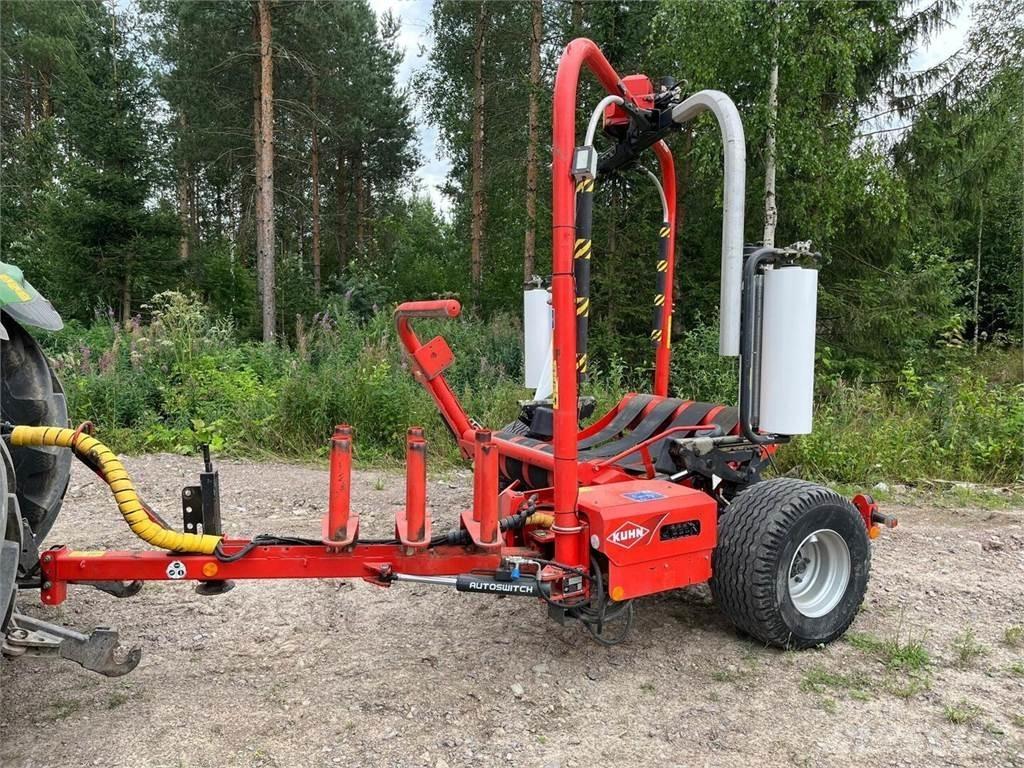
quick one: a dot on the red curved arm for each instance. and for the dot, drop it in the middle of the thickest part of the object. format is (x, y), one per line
(663, 355)
(451, 409)
(578, 53)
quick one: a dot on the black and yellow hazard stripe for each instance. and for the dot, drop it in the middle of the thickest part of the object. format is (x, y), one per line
(582, 251)
(661, 284)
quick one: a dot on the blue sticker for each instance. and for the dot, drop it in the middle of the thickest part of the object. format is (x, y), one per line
(643, 495)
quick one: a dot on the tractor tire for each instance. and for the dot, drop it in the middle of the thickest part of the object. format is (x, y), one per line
(30, 394)
(10, 541)
(792, 563)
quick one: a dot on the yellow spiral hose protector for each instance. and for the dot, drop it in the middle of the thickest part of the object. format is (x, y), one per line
(114, 474)
(541, 520)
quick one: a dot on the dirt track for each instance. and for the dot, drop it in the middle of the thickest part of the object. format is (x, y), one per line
(337, 674)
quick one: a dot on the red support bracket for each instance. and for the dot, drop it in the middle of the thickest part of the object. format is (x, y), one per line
(412, 524)
(482, 520)
(341, 527)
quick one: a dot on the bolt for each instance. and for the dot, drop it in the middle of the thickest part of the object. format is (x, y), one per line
(188, 493)
(18, 634)
(47, 585)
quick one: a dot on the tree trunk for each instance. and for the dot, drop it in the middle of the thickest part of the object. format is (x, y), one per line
(185, 197)
(266, 228)
(577, 17)
(126, 294)
(258, 155)
(368, 215)
(45, 100)
(341, 233)
(315, 173)
(184, 218)
(27, 98)
(532, 128)
(977, 275)
(359, 190)
(771, 211)
(477, 157)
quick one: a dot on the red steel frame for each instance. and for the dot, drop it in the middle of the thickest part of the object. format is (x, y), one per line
(570, 547)
(342, 555)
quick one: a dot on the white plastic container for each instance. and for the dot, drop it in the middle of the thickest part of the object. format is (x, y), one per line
(537, 329)
(789, 318)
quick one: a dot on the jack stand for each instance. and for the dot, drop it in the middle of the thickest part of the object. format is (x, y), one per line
(200, 505)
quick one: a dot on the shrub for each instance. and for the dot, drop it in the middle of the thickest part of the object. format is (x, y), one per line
(183, 378)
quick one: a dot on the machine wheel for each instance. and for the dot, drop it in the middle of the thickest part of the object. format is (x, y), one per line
(792, 561)
(32, 395)
(10, 541)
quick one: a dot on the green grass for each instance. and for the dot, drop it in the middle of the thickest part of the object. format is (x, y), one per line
(1013, 637)
(896, 653)
(117, 698)
(63, 708)
(908, 686)
(961, 713)
(967, 650)
(1017, 669)
(819, 680)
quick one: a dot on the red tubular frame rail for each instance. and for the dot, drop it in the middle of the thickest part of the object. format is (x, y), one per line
(371, 562)
(569, 546)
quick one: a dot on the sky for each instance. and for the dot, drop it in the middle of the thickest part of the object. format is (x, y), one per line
(414, 40)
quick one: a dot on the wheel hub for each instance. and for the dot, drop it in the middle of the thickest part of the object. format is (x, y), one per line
(819, 573)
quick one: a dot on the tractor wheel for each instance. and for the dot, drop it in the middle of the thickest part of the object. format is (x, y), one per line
(792, 561)
(10, 540)
(31, 395)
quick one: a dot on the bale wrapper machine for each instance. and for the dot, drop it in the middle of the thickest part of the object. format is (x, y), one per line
(657, 494)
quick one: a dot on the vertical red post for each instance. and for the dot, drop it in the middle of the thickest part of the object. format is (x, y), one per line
(485, 486)
(415, 485)
(569, 548)
(663, 355)
(340, 490)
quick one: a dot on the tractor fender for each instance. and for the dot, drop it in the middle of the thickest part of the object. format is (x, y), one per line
(24, 303)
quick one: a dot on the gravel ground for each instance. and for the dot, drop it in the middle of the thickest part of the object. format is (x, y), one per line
(318, 673)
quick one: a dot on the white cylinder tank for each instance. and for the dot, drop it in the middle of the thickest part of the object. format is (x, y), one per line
(789, 318)
(537, 324)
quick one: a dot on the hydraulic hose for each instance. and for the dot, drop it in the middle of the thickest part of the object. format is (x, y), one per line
(101, 459)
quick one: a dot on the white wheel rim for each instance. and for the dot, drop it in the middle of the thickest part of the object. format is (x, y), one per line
(819, 573)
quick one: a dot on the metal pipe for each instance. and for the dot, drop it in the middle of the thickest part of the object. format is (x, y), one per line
(485, 501)
(416, 486)
(579, 53)
(340, 490)
(441, 581)
(661, 193)
(750, 367)
(602, 105)
(663, 355)
(733, 202)
(661, 267)
(582, 251)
